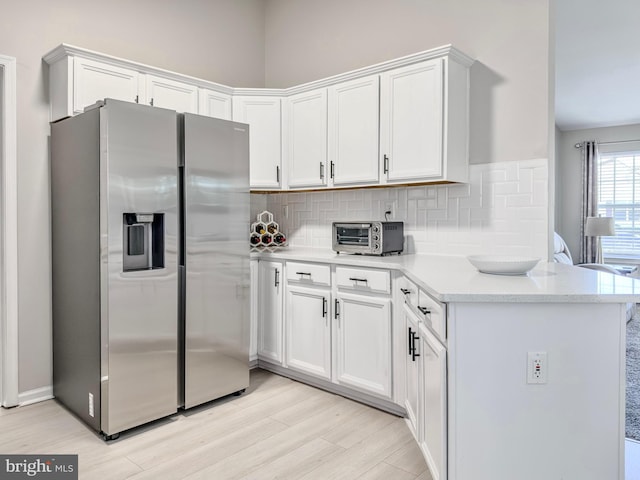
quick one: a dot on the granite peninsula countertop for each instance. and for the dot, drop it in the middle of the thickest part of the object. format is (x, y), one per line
(451, 278)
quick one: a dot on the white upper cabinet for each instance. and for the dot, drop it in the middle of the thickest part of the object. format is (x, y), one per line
(262, 113)
(353, 132)
(96, 81)
(411, 122)
(306, 139)
(167, 93)
(399, 122)
(424, 122)
(214, 104)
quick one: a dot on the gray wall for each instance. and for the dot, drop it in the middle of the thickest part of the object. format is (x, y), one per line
(309, 39)
(220, 40)
(569, 175)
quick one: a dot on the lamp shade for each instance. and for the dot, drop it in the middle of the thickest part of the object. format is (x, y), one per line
(599, 227)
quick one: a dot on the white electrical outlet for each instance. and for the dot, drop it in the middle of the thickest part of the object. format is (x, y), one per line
(537, 367)
(91, 411)
(388, 207)
(285, 211)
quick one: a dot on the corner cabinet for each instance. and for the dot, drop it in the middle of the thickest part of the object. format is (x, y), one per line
(424, 122)
(214, 104)
(263, 114)
(269, 312)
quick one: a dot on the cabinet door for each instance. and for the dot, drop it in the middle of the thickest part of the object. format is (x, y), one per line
(95, 81)
(308, 331)
(270, 311)
(353, 131)
(413, 362)
(253, 317)
(411, 123)
(214, 104)
(434, 403)
(263, 116)
(178, 96)
(363, 341)
(306, 131)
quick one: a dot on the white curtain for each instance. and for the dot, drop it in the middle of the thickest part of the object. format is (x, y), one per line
(588, 245)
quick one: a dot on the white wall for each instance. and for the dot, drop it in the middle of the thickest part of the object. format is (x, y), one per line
(569, 175)
(220, 40)
(510, 92)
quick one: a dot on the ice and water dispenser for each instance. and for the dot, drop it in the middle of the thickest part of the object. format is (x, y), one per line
(143, 241)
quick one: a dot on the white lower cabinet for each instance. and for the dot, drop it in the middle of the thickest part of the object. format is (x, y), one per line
(363, 343)
(413, 371)
(270, 311)
(433, 441)
(308, 331)
(253, 316)
(425, 384)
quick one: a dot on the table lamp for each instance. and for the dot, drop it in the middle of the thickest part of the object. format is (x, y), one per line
(599, 227)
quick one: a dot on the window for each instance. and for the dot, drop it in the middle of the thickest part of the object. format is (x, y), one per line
(619, 197)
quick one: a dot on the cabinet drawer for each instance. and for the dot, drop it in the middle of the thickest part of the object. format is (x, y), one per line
(364, 280)
(407, 291)
(435, 316)
(308, 273)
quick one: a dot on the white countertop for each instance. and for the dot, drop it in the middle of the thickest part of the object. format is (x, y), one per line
(450, 278)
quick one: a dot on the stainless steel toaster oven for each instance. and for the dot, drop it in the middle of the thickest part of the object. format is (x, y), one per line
(368, 238)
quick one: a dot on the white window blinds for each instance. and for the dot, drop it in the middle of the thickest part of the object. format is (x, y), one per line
(619, 197)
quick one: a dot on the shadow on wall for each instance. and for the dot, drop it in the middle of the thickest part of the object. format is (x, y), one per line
(483, 82)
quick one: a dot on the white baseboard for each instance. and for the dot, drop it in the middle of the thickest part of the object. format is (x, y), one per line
(36, 395)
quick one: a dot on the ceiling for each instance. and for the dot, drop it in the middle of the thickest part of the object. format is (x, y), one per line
(597, 63)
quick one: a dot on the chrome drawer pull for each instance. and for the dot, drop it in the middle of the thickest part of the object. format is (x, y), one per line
(424, 310)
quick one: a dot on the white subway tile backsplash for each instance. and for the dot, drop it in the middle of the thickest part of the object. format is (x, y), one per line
(502, 210)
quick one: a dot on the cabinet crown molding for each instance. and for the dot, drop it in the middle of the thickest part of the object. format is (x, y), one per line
(65, 50)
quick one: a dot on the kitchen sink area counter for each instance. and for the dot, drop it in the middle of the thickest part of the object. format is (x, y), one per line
(496, 361)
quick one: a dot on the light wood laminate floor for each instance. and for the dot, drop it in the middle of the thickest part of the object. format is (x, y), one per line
(278, 429)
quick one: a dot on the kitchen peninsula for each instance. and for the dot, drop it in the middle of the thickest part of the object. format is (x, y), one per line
(463, 347)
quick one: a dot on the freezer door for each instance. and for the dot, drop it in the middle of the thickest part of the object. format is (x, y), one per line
(139, 299)
(216, 257)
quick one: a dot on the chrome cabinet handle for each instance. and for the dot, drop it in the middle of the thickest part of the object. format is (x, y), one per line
(324, 307)
(364, 280)
(331, 169)
(277, 173)
(336, 309)
(386, 164)
(405, 291)
(424, 310)
(277, 278)
(303, 273)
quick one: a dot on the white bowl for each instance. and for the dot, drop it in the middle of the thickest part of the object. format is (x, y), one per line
(502, 264)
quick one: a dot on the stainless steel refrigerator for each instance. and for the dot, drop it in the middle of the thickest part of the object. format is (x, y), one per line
(150, 213)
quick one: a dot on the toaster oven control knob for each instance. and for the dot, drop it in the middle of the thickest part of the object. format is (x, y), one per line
(376, 247)
(375, 237)
(375, 229)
